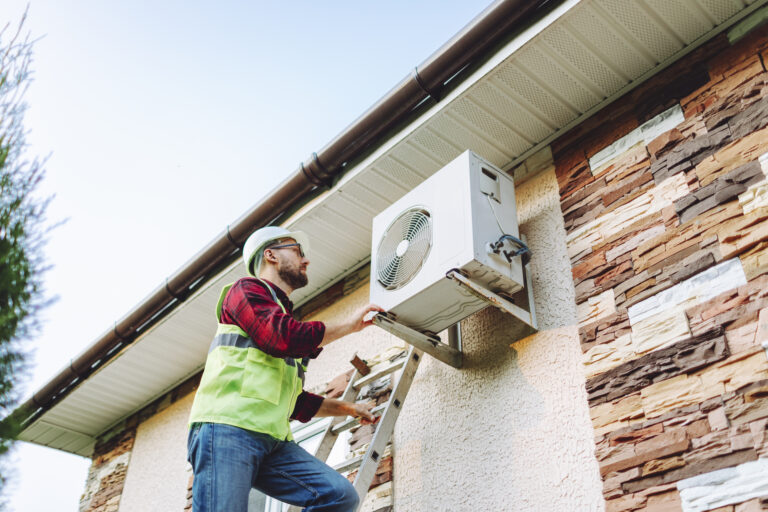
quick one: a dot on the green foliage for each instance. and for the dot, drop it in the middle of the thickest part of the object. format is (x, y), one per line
(22, 231)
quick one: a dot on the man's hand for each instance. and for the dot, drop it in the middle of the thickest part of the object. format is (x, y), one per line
(333, 407)
(362, 317)
(359, 320)
(363, 412)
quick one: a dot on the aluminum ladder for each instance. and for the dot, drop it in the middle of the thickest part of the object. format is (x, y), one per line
(388, 412)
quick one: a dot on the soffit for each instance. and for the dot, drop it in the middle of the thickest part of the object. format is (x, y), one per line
(549, 78)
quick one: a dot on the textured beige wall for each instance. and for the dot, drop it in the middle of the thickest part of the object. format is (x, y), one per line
(157, 475)
(511, 430)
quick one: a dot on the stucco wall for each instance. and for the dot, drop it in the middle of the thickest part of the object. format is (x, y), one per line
(157, 475)
(510, 431)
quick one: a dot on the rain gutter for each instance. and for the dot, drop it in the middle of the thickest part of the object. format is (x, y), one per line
(428, 81)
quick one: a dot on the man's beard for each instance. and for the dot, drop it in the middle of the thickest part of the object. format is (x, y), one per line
(292, 275)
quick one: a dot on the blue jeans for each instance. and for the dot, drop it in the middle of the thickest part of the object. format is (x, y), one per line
(228, 461)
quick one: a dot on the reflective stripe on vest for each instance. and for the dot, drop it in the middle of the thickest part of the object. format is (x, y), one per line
(231, 339)
(244, 386)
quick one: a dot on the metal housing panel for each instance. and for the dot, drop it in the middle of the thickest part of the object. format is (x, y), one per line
(462, 220)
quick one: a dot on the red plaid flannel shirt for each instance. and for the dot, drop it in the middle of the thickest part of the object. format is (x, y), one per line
(250, 306)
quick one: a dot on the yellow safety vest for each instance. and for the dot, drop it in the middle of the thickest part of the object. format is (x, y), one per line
(244, 386)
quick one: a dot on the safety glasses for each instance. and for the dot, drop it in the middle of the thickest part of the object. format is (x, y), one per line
(286, 246)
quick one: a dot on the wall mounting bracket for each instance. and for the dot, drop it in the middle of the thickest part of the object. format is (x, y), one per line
(451, 353)
(528, 317)
(426, 342)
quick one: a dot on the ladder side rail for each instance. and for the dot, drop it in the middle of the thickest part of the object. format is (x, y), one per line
(329, 436)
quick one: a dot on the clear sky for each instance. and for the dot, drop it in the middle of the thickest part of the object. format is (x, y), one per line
(165, 121)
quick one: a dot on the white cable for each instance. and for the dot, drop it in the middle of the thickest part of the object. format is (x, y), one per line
(493, 211)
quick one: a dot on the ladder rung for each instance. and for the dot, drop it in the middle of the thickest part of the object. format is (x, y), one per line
(351, 422)
(349, 464)
(390, 368)
(354, 462)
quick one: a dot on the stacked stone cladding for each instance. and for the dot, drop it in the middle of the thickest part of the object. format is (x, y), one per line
(668, 242)
(106, 477)
(112, 453)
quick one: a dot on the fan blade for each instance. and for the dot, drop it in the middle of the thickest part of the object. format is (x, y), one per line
(414, 223)
(405, 223)
(415, 227)
(390, 271)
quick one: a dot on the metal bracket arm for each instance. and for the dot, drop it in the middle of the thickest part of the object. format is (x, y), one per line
(529, 317)
(428, 343)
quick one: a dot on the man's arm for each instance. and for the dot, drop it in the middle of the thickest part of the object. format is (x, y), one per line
(251, 307)
(309, 405)
(357, 322)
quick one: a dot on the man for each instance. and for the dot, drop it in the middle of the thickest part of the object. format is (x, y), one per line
(251, 387)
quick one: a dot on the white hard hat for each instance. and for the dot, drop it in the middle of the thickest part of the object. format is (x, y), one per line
(254, 246)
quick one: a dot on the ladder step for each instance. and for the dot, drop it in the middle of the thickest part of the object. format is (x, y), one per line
(354, 463)
(349, 464)
(386, 370)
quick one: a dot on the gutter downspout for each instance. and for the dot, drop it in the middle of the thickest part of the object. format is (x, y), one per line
(428, 80)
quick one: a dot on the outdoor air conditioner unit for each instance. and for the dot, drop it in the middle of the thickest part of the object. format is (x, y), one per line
(455, 219)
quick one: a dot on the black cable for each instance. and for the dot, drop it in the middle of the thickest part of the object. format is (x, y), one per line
(522, 250)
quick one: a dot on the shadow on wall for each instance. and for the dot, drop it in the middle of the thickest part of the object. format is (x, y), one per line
(486, 339)
(541, 223)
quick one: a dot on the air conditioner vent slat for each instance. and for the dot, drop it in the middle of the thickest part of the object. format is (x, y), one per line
(404, 247)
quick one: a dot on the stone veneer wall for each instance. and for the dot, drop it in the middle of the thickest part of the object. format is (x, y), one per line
(112, 454)
(665, 203)
(106, 476)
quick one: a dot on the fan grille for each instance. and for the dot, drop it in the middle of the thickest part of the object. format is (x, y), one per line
(404, 248)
